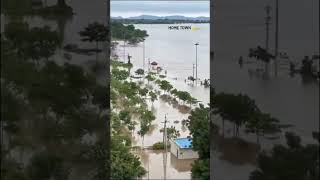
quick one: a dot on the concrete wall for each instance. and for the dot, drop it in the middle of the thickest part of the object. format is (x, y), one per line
(187, 154)
(182, 153)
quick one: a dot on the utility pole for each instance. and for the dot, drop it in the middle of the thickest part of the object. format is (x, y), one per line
(268, 18)
(165, 131)
(276, 39)
(165, 146)
(148, 64)
(196, 60)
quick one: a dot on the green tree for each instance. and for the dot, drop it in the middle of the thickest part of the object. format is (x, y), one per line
(153, 96)
(294, 161)
(125, 116)
(198, 124)
(262, 124)
(172, 132)
(184, 95)
(149, 77)
(235, 108)
(165, 86)
(95, 32)
(129, 33)
(139, 72)
(124, 164)
(143, 92)
(119, 74)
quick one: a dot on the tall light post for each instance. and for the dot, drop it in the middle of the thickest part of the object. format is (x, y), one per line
(165, 146)
(268, 18)
(276, 38)
(165, 131)
(196, 60)
(193, 70)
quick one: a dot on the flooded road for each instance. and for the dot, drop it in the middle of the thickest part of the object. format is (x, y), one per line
(175, 54)
(172, 168)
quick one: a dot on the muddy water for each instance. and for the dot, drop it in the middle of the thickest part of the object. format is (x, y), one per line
(157, 168)
(175, 53)
(160, 108)
(239, 25)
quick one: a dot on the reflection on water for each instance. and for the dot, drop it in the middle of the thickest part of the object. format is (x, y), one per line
(161, 165)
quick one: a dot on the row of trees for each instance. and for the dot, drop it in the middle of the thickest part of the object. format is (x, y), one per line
(131, 92)
(242, 111)
(291, 161)
(128, 33)
(35, 43)
(182, 95)
(124, 165)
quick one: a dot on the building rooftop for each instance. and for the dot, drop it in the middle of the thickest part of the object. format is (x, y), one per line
(184, 143)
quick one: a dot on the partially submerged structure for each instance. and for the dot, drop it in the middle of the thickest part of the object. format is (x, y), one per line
(182, 148)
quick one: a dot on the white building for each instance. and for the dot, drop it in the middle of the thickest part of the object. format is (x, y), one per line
(182, 148)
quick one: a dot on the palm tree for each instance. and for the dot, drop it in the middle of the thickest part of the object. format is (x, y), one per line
(261, 124)
(95, 32)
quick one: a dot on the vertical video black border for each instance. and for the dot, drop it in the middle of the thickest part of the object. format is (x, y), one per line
(108, 76)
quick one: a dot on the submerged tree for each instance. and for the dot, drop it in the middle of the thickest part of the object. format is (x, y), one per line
(149, 78)
(139, 72)
(124, 164)
(198, 124)
(294, 161)
(165, 86)
(153, 96)
(235, 108)
(262, 124)
(262, 54)
(95, 32)
(172, 132)
(143, 92)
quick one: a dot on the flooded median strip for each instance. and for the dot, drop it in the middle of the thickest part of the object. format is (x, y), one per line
(160, 81)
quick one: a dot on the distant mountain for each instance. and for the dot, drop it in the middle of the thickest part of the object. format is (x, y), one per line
(174, 17)
(118, 17)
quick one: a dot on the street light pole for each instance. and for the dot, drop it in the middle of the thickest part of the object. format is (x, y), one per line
(276, 39)
(268, 18)
(193, 70)
(165, 146)
(196, 60)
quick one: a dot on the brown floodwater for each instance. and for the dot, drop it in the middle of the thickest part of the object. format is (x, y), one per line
(162, 165)
(177, 64)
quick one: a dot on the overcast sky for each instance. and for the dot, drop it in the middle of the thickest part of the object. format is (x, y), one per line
(160, 8)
